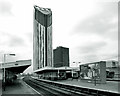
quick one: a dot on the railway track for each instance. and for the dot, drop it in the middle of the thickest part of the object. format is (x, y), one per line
(45, 89)
(50, 88)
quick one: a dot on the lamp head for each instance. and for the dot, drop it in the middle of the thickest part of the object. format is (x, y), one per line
(12, 54)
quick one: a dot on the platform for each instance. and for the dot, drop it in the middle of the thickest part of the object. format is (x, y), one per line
(110, 86)
(19, 87)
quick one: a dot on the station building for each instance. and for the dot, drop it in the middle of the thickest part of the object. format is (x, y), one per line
(58, 73)
(113, 66)
(90, 72)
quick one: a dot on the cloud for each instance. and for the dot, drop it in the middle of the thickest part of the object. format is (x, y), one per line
(16, 41)
(5, 8)
(13, 43)
(104, 24)
(93, 54)
(91, 47)
(29, 36)
(95, 37)
(10, 40)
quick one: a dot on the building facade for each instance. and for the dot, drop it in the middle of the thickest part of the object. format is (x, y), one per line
(112, 64)
(61, 57)
(42, 38)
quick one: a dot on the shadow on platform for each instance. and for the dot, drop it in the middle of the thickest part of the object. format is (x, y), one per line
(18, 88)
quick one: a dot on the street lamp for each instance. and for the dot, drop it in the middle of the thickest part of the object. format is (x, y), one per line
(4, 67)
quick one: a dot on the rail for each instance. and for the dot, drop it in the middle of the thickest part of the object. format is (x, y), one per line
(50, 90)
(79, 89)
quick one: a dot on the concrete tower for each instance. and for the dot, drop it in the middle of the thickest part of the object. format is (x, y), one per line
(42, 38)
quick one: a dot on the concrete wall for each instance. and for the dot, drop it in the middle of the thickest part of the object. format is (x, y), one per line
(102, 71)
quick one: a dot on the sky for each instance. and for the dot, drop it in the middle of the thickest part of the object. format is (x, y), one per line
(89, 28)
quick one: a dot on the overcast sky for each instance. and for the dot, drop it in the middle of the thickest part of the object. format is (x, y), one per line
(87, 27)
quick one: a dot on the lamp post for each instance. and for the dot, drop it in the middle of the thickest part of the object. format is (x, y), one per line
(4, 68)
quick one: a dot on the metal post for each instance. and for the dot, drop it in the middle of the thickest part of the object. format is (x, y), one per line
(95, 75)
(58, 74)
(4, 73)
(4, 78)
(72, 74)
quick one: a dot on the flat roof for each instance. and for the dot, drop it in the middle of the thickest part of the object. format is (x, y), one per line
(54, 69)
(92, 63)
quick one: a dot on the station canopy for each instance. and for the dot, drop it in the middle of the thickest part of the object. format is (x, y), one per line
(52, 69)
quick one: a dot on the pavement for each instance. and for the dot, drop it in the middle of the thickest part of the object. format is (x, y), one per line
(19, 87)
(111, 86)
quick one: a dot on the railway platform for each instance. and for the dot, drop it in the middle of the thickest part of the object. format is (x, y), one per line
(109, 86)
(19, 88)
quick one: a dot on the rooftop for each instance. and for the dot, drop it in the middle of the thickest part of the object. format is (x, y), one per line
(43, 10)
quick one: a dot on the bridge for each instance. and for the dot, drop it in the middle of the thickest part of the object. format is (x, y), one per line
(11, 69)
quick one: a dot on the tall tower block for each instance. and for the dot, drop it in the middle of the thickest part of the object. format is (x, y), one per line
(42, 38)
